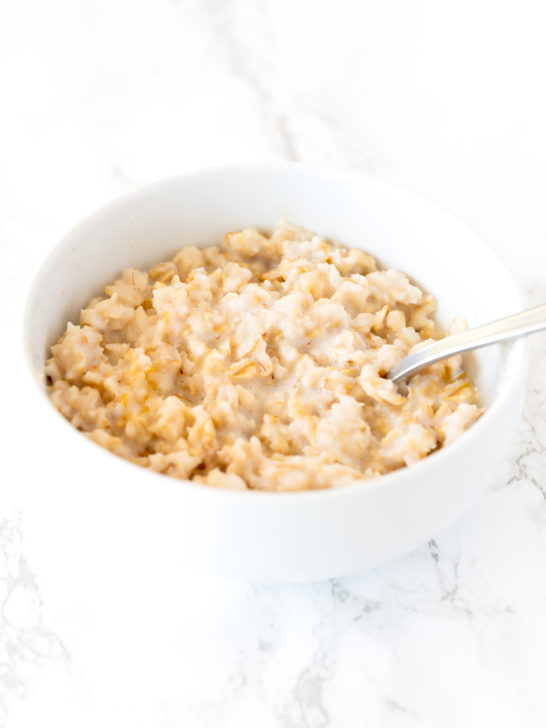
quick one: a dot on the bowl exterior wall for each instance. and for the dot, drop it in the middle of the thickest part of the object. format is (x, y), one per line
(90, 528)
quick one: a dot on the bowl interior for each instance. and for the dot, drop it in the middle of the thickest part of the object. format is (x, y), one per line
(402, 230)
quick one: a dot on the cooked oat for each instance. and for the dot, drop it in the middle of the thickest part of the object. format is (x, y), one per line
(259, 365)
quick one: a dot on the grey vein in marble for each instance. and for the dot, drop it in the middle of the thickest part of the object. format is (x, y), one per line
(26, 642)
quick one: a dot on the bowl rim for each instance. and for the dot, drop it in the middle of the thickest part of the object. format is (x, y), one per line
(517, 350)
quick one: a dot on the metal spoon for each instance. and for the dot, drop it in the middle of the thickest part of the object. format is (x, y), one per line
(520, 324)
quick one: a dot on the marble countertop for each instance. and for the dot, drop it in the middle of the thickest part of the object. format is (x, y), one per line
(101, 96)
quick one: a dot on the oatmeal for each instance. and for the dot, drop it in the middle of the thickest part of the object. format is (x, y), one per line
(259, 365)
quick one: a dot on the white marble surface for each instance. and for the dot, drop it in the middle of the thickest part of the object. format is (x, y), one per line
(447, 99)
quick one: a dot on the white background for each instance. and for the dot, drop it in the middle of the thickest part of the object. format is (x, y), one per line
(444, 98)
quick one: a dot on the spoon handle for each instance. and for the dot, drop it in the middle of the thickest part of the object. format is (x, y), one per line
(519, 324)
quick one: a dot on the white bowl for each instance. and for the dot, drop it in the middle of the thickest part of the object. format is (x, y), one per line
(105, 507)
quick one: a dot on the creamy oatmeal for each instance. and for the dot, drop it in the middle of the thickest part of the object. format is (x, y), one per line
(259, 365)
